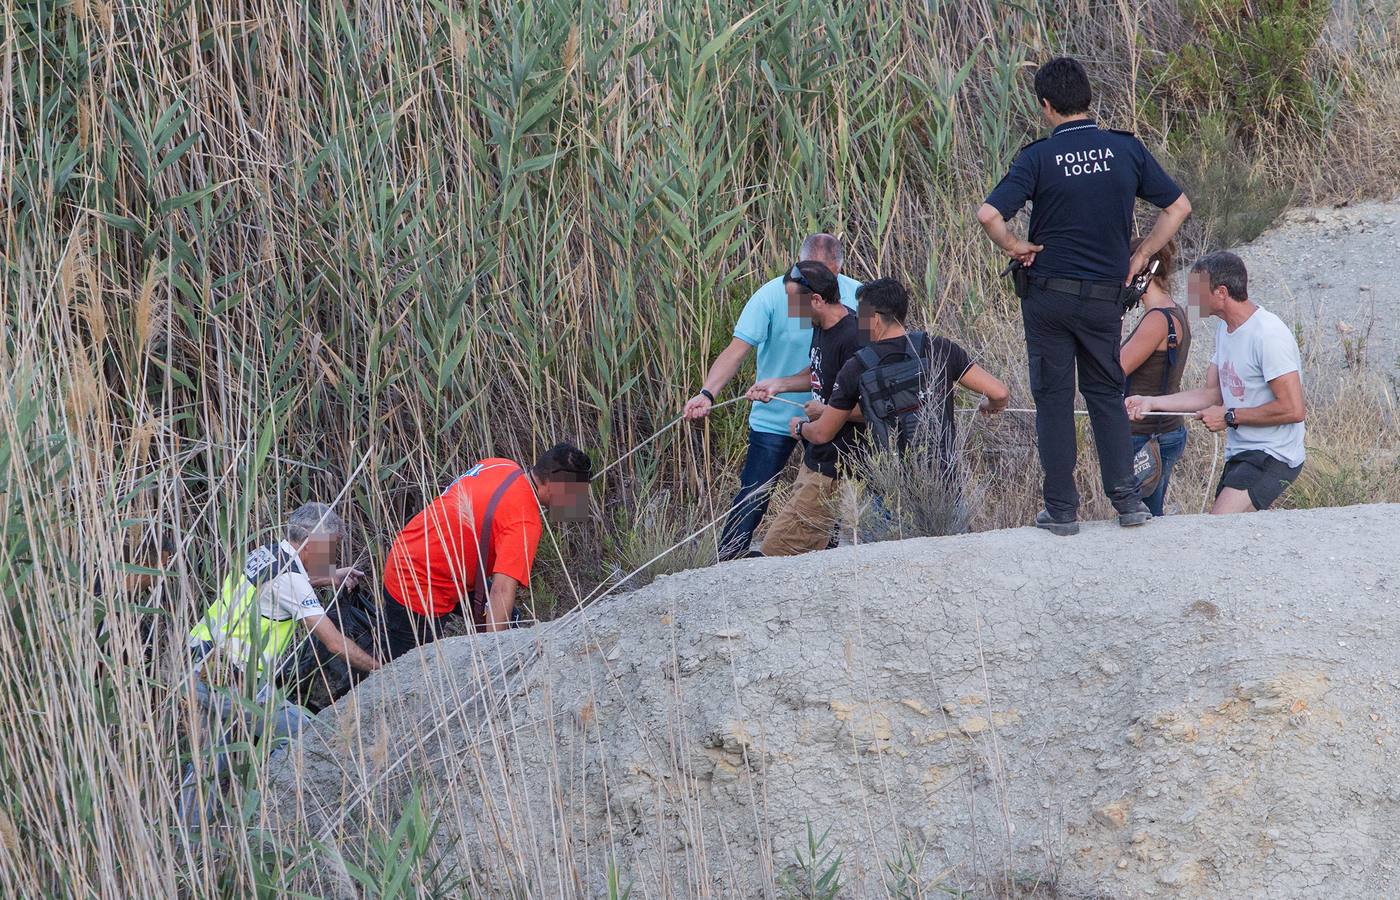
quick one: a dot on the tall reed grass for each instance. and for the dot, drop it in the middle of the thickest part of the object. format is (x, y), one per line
(264, 251)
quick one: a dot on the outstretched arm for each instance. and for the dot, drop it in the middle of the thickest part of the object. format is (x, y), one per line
(763, 391)
(1286, 408)
(340, 645)
(725, 367)
(1182, 402)
(501, 602)
(822, 430)
(989, 386)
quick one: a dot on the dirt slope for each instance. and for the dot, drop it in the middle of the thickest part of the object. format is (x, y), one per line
(1204, 707)
(1331, 273)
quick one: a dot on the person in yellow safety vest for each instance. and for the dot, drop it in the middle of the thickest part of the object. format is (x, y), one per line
(253, 627)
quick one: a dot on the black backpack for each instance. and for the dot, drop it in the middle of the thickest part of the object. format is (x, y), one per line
(893, 392)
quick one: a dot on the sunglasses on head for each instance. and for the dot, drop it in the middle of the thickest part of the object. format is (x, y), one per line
(797, 277)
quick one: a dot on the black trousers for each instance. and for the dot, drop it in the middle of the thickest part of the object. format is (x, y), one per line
(1065, 332)
(401, 630)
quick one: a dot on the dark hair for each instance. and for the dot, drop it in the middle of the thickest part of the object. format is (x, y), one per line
(819, 278)
(1227, 270)
(885, 297)
(1166, 256)
(1064, 83)
(563, 462)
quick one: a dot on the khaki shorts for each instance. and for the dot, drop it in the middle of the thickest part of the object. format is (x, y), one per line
(806, 521)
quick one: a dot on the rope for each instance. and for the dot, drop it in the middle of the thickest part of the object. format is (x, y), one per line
(1214, 461)
(659, 432)
(1077, 412)
(1215, 437)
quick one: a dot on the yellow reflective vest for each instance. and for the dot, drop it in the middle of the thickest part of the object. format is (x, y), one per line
(244, 638)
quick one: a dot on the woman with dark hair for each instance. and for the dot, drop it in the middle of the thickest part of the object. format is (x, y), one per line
(1154, 358)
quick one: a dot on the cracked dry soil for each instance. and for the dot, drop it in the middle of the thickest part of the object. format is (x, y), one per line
(1199, 708)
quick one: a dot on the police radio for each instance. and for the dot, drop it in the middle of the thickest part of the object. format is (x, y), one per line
(1132, 296)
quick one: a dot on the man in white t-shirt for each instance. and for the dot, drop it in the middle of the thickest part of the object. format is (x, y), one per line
(251, 632)
(1254, 389)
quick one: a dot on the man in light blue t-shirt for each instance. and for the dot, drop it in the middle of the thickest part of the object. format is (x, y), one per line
(1253, 392)
(783, 342)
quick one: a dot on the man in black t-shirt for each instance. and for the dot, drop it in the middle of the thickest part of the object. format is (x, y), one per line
(883, 307)
(807, 518)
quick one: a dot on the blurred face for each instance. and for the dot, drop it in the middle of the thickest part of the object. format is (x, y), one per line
(566, 501)
(1204, 301)
(318, 555)
(799, 304)
(872, 327)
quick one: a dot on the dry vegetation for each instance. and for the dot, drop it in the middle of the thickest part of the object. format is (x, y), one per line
(264, 252)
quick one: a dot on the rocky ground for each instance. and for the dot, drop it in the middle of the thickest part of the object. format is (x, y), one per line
(1200, 708)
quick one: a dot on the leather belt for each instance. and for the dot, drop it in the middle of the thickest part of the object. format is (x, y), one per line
(1092, 290)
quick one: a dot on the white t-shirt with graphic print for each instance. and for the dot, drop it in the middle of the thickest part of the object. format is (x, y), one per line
(1260, 350)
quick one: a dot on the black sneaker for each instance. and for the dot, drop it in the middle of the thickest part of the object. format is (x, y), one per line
(1139, 516)
(1063, 528)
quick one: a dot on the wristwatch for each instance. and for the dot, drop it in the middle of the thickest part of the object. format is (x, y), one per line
(1230, 419)
(704, 392)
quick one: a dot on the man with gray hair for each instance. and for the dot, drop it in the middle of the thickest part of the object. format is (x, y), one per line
(249, 634)
(1253, 392)
(783, 341)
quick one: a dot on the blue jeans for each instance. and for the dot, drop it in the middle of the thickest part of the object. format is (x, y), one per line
(767, 457)
(1172, 444)
(222, 717)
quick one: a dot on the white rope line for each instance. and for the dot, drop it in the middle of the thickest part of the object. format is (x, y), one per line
(1077, 412)
(1215, 437)
(658, 433)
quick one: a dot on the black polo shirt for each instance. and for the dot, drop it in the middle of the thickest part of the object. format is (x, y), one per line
(1082, 182)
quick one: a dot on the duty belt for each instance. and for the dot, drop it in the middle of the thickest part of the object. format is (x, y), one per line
(1092, 290)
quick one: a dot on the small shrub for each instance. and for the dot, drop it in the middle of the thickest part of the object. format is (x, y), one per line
(1232, 198)
(816, 874)
(1251, 60)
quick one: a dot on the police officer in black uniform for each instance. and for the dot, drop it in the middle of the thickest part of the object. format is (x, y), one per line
(1082, 182)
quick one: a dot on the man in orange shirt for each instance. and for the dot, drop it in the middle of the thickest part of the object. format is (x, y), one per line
(476, 542)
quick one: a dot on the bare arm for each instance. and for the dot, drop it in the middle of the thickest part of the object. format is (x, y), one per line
(824, 429)
(1287, 407)
(1168, 222)
(725, 367)
(1143, 343)
(340, 645)
(501, 602)
(763, 391)
(988, 385)
(995, 226)
(1182, 402)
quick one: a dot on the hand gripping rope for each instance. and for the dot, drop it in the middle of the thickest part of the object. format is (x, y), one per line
(671, 424)
(1215, 453)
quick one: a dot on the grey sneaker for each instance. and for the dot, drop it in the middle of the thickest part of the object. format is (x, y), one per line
(1139, 516)
(1063, 528)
